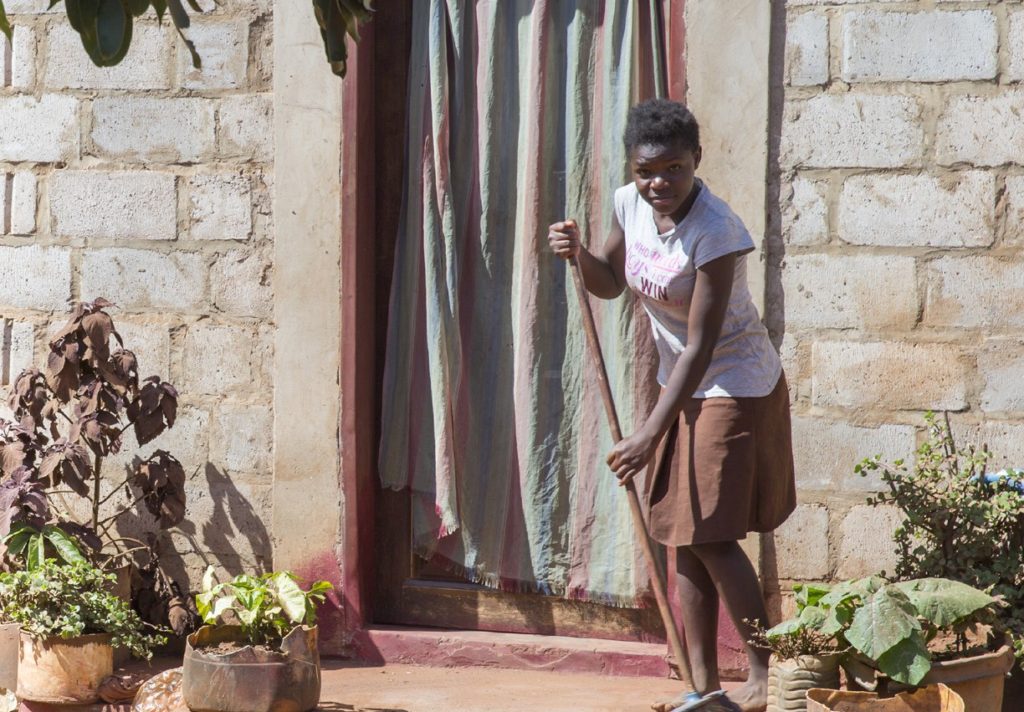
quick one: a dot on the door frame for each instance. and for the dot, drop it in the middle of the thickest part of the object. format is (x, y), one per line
(360, 349)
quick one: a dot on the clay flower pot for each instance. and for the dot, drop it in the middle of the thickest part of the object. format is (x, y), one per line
(979, 680)
(248, 679)
(789, 680)
(62, 671)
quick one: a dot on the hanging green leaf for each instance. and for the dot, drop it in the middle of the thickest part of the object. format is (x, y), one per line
(136, 7)
(113, 32)
(338, 18)
(5, 26)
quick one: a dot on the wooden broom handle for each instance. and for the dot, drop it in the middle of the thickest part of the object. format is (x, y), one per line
(639, 525)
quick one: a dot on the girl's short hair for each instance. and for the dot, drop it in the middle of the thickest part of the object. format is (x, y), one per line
(661, 122)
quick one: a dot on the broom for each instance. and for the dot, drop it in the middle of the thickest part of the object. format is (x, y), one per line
(714, 701)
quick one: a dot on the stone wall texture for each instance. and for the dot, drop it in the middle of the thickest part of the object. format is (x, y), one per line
(894, 264)
(150, 184)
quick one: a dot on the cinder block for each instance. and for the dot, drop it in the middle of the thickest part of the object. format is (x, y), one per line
(805, 213)
(23, 203)
(188, 441)
(801, 544)
(133, 128)
(242, 439)
(1015, 46)
(149, 341)
(841, 291)
(852, 131)
(220, 207)
(217, 359)
(233, 514)
(120, 204)
(826, 451)
(1001, 365)
(30, 7)
(983, 131)
(23, 58)
(22, 347)
(146, 280)
(807, 49)
(34, 277)
(224, 47)
(1005, 441)
(975, 291)
(247, 128)
(956, 210)
(866, 544)
(43, 130)
(147, 65)
(889, 375)
(241, 284)
(882, 45)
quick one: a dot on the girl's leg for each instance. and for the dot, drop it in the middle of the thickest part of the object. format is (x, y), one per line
(700, 619)
(737, 584)
(700, 622)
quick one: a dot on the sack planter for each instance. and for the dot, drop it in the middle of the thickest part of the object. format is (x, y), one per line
(979, 679)
(63, 671)
(251, 679)
(789, 680)
(935, 698)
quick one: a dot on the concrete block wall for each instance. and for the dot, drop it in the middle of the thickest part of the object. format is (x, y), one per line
(150, 184)
(894, 267)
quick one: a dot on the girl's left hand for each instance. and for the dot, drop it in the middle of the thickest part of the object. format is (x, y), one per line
(631, 455)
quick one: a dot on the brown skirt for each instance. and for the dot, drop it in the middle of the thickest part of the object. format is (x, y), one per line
(724, 469)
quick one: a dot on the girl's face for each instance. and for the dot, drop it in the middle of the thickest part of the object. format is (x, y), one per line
(664, 175)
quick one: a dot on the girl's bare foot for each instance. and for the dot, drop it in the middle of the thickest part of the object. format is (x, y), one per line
(669, 704)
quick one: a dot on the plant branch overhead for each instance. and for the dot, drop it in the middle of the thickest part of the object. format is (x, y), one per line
(105, 26)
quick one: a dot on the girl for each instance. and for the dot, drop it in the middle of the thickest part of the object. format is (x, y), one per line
(725, 466)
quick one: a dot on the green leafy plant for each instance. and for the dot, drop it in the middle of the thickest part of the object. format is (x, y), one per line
(959, 521)
(265, 608)
(894, 626)
(34, 544)
(70, 600)
(801, 635)
(105, 26)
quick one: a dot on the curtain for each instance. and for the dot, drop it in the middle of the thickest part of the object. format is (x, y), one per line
(491, 413)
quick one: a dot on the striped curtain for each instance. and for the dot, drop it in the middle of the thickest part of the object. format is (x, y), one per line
(491, 415)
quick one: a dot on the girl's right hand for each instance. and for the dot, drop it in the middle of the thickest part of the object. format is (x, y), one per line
(564, 239)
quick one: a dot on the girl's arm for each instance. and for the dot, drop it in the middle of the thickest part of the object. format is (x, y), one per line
(604, 273)
(707, 312)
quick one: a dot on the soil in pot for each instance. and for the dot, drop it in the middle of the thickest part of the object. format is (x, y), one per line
(789, 680)
(221, 675)
(62, 671)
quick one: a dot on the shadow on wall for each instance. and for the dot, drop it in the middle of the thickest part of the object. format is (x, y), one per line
(221, 527)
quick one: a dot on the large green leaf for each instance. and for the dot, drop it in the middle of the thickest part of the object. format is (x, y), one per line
(810, 594)
(885, 619)
(907, 661)
(944, 602)
(113, 32)
(291, 597)
(848, 590)
(66, 548)
(18, 539)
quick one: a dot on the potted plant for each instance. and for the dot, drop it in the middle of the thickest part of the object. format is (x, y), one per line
(71, 417)
(70, 621)
(960, 522)
(906, 634)
(258, 651)
(803, 657)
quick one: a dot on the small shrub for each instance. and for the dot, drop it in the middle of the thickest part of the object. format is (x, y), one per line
(960, 522)
(70, 600)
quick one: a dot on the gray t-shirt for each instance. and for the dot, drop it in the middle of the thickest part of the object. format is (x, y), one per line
(662, 270)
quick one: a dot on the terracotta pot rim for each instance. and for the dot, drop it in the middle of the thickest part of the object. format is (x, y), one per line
(77, 640)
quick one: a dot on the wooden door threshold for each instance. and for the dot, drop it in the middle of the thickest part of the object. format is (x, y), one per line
(514, 651)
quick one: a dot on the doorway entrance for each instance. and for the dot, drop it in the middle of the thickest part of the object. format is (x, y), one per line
(409, 590)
